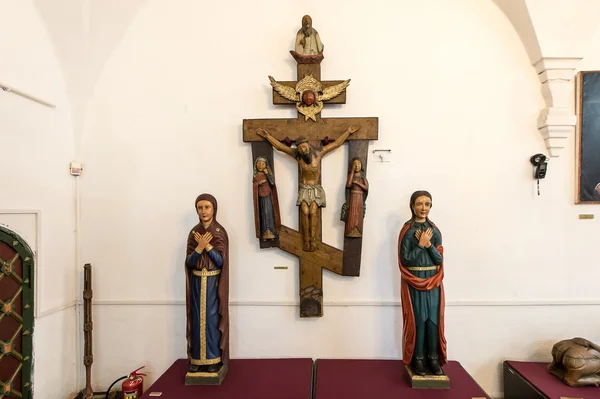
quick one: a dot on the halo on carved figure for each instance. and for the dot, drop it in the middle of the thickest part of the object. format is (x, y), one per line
(308, 84)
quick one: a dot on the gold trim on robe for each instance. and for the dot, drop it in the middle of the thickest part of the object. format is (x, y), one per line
(205, 362)
(421, 268)
(204, 274)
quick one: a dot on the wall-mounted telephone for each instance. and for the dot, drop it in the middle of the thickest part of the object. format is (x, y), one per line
(540, 161)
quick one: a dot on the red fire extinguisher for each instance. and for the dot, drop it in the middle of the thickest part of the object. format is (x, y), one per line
(133, 386)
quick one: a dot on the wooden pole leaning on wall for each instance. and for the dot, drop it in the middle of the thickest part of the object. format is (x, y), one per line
(88, 327)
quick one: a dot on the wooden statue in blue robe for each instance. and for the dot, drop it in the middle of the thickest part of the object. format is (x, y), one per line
(267, 221)
(207, 290)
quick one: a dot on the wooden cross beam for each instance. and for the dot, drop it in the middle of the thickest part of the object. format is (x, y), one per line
(346, 262)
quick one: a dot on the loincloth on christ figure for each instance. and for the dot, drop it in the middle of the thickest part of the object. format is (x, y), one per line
(311, 193)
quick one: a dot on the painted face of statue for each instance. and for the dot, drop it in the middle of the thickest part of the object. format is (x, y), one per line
(356, 165)
(305, 152)
(308, 97)
(307, 25)
(205, 210)
(261, 166)
(304, 149)
(421, 208)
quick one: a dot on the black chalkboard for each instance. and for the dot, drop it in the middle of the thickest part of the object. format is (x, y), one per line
(588, 140)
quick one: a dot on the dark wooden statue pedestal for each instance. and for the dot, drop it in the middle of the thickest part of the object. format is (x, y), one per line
(428, 381)
(204, 378)
(533, 380)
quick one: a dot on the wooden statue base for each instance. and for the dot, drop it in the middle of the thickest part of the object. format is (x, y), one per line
(428, 381)
(204, 378)
(307, 59)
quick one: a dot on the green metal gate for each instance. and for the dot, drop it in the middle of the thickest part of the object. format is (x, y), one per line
(16, 316)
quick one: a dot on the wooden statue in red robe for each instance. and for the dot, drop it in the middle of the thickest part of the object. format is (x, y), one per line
(420, 257)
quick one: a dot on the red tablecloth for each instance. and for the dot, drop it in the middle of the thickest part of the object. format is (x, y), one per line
(386, 379)
(246, 379)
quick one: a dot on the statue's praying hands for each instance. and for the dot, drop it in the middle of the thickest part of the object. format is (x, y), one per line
(424, 237)
(202, 240)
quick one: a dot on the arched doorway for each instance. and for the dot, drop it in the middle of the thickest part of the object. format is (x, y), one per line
(16, 315)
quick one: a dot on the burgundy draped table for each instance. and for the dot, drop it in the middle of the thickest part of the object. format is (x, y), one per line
(524, 380)
(246, 379)
(386, 379)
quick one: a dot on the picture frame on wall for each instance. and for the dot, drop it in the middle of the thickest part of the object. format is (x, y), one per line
(587, 158)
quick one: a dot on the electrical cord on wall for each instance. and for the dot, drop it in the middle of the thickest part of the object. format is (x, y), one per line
(111, 385)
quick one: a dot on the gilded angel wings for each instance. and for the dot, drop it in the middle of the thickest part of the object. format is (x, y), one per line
(309, 94)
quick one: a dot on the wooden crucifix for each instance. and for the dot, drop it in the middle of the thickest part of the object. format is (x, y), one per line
(313, 137)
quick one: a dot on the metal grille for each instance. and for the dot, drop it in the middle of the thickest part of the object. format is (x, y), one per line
(16, 316)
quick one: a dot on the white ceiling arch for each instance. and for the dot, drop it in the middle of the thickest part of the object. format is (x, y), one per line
(556, 35)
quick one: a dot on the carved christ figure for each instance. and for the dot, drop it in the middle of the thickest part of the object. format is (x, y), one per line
(311, 195)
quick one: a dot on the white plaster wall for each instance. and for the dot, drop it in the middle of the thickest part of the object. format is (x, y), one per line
(563, 27)
(591, 61)
(37, 146)
(55, 359)
(457, 101)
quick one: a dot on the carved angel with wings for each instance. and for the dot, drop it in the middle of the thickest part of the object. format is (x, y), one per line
(309, 94)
